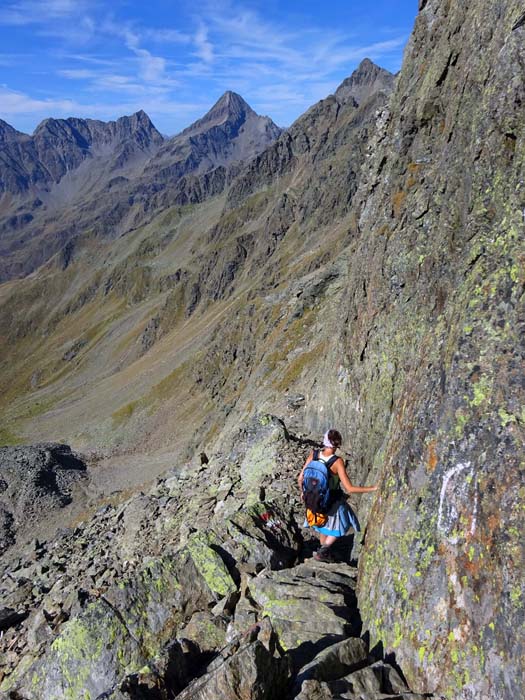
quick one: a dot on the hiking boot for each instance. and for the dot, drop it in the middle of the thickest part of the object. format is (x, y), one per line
(323, 554)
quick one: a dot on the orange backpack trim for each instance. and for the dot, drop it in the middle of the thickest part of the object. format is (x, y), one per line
(318, 519)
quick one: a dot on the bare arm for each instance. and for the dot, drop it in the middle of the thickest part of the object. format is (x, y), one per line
(347, 484)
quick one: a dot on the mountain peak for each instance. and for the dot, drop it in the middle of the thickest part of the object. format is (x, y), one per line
(367, 79)
(138, 118)
(232, 102)
(367, 65)
(230, 107)
(135, 125)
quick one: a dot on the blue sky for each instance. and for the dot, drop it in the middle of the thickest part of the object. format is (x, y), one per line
(90, 58)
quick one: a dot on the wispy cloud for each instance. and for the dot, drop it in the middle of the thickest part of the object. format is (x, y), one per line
(166, 36)
(152, 69)
(246, 36)
(77, 73)
(203, 47)
(18, 103)
(26, 12)
(7, 59)
(14, 102)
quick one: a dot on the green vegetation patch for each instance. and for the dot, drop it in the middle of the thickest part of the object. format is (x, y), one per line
(8, 437)
(123, 414)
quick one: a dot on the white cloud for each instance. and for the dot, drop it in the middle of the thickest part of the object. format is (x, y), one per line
(204, 48)
(92, 60)
(167, 36)
(13, 102)
(40, 11)
(220, 46)
(151, 69)
(10, 59)
(307, 53)
(343, 55)
(17, 104)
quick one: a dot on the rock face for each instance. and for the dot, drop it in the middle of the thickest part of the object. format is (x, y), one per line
(34, 480)
(435, 352)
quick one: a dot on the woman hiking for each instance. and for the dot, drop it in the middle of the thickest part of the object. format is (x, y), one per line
(339, 517)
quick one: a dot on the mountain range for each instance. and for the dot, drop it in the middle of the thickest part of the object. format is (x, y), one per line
(77, 174)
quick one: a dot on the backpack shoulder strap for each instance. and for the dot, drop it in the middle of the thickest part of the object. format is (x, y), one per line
(315, 456)
(331, 461)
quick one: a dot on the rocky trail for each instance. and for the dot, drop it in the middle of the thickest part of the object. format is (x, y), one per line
(201, 587)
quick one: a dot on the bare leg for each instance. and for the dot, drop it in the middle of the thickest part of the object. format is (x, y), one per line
(326, 542)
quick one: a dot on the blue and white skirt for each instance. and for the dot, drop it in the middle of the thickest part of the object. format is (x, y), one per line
(340, 519)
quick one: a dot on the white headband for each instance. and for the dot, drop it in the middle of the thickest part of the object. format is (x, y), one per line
(327, 442)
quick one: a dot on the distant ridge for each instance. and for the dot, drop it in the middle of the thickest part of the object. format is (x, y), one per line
(59, 146)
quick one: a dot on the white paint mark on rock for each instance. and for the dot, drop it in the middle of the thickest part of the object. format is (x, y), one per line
(443, 498)
(474, 510)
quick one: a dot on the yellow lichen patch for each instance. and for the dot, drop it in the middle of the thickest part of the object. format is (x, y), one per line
(210, 565)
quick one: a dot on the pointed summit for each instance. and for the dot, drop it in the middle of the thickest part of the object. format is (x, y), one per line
(232, 103)
(230, 132)
(365, 81)
(139, 127)
(136, 121)
(229, 108)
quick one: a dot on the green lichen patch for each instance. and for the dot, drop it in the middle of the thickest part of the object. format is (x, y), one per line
(92, 652)
(210, 565)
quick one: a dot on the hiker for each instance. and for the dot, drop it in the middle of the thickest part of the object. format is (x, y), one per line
(327, 510)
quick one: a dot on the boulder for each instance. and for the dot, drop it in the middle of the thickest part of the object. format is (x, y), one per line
(380, 680)
(91, 654)
(336, 661)
(126, 629)
(310, 605)
(203, 549)
(159, 679)
(247, 672)
(206, 630)
(262, 536)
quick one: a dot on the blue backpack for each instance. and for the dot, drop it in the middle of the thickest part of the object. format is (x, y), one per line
(316, 488)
